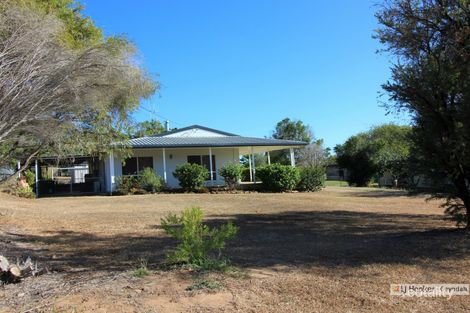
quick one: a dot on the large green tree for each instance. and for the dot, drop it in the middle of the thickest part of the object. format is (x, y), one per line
(65, 89)
(383, 149)
(288, 129)
(79, 30)
(147, 128)
(431, 81)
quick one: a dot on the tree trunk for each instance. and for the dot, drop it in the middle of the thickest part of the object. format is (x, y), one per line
(467, 213)
(464, 194)
(25, 165)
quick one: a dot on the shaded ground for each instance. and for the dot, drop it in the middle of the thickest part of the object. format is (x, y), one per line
(336, 250)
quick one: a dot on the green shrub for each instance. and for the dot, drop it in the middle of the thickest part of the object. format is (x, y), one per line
(142, 270)
(312, 178)
(203, 284)
(127, 184)
(232, 174)
(278, 177)
(149, 181)
(23, 192)
(199, 245)
(30, 177)
(191, 176)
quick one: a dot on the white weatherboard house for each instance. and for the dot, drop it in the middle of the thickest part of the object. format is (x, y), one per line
(194, 144)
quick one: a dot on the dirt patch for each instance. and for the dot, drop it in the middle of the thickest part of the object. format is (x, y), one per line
(336, 250)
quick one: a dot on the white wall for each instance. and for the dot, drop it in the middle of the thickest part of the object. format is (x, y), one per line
(175, 157)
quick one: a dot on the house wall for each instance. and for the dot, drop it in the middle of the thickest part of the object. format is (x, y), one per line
(175, 157)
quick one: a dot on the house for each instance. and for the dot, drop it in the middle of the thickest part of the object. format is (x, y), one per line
(193, 144)
(163, 152)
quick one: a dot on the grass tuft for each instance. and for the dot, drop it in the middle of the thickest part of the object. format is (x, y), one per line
(203, 284)
(142, 270)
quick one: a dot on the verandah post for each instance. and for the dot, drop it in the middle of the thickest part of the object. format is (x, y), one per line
(254, 165)
(36, 177)
(292, 157)
(210, 165)
(164, 165)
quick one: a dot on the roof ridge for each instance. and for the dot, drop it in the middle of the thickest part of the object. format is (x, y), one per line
(177, 130)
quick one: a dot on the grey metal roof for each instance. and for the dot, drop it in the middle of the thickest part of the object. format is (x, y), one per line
(228, 141)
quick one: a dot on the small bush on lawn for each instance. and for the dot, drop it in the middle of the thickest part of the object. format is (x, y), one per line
(232, 174)
(203, 284)
(312, 178)
(191, 176)
(278, 177)
(142, 270)
(200, 246)
(149, 181)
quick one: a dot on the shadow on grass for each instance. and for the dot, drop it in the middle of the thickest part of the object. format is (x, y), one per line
(324, 238)
(385, 193)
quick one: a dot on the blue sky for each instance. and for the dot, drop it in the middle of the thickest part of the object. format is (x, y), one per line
(241, 66)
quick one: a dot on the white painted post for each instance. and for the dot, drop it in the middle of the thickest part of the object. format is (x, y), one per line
(19, 167)
(111, 172)
(36, 177)
(254, 165)
(292, 157)
(249, 164)
(269, 158)
(210, 165)
(164, 165)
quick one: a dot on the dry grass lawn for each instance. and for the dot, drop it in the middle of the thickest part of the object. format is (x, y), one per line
(333, 251)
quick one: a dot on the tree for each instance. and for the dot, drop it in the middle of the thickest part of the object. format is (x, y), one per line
(356, 156)
(313, 155)
(431, 81)
(79, 31)
(288, 129)
(292, 130)
(61, 100)
(383, 149)
(392, 147)
(147, 128)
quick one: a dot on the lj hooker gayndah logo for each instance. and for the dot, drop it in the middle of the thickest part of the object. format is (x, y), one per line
(429, 290)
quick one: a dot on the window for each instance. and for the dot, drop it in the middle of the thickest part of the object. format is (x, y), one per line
(130, 167)
(204, 161)
(133, 166)
(145, 162)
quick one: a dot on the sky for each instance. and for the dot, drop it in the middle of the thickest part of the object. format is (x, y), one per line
(241, 65)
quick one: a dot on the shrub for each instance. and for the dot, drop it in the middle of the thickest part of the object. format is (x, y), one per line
(127, 184)
(232, 174)
(278, 177)
(30, 177)
(142, 270)
(149, 181)
(312, 178)
(203, 284)
(23, 191)
(191, 176)
(199, 245)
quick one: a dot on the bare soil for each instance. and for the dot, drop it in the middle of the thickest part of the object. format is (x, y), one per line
(337, 250)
